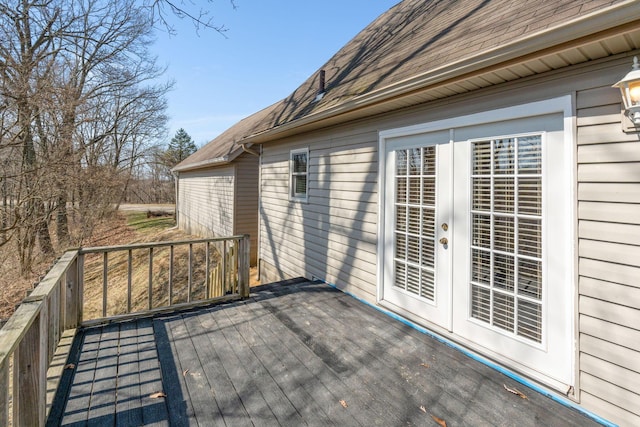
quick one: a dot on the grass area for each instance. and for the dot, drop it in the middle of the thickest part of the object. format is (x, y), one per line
(145, 223)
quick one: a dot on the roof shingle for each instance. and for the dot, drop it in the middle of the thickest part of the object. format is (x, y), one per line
(410, 39)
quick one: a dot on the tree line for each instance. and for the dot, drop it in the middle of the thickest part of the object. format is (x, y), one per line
(82, 109)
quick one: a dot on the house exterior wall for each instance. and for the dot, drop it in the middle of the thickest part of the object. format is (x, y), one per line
(206, 201)
(333, 236)
(246, 200)
(609, 258)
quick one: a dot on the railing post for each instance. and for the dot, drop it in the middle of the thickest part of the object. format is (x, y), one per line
(243, 266)
(5, 383)
(30, 373)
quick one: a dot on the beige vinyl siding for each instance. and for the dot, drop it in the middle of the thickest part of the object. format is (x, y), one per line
(609, 258)
(334, 235)
(331, 236)
(205, 201)
(246, 200)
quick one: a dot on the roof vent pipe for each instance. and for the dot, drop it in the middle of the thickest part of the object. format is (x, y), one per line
(321, 87)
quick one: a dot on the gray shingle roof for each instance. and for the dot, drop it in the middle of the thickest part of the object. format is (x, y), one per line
(410, 39)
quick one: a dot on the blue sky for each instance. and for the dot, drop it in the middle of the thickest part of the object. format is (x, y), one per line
(272, 46)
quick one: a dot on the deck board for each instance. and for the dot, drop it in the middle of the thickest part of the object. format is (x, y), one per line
(129, 401)
(295, 353)
(154, 411)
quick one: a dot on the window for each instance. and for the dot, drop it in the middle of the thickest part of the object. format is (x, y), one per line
(298, 166)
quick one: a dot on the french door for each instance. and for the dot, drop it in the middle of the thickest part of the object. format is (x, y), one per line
(477, 239)
(417, 273)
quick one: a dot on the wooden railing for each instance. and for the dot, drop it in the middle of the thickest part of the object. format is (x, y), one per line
(212, 269)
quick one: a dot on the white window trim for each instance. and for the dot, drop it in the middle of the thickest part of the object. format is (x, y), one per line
(292, 194)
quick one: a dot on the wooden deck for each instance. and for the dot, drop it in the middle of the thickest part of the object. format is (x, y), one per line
(295, 353)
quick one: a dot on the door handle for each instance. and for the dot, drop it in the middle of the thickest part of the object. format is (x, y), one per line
(444, 241)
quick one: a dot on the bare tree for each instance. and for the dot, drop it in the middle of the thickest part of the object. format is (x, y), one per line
(163, 12)
(67, 67)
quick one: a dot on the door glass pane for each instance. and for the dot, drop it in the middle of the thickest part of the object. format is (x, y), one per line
(414, 228)
(530, 196)
(481, 303)
(401, 189)
(529, 320)
(506, 235)
(503, 194)
(529, 155)
(481, 230)
(429, 191)
(503, 158)
(401, 275)
(481, 194)
(482, 158)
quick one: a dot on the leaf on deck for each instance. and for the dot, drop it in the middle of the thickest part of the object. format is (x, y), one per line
(440, 421)
(514, 391)
(157, 395)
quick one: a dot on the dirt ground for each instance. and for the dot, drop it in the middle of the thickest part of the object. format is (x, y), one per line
(14, 288)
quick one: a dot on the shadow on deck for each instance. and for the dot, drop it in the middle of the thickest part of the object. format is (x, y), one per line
(295, 353)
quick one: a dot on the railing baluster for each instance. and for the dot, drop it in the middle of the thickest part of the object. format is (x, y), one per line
(53, 319)
(224, 267)
(222, 282)
(207, 280)
(62, 308)
(171, 275)
(150, 290)
(71, 296)
(105, 266)
(129, 278)
(57, 304)
(189, 285)
(80, 293)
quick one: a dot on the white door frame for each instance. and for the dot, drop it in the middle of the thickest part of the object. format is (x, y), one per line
(564, 105)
